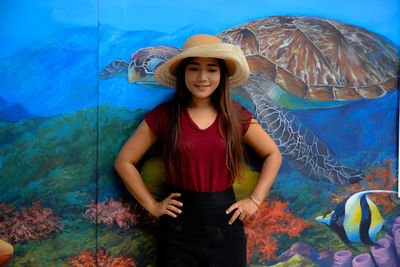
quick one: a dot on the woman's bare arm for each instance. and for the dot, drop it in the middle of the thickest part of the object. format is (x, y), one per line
(262, 143)
(266, 148)
(130, 154)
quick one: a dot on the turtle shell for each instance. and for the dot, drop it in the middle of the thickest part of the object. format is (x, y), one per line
(318, 59)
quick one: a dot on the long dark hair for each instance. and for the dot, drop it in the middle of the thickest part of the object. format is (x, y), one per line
(228, 124)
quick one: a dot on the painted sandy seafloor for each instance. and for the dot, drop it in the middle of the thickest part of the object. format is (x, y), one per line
(50, 163)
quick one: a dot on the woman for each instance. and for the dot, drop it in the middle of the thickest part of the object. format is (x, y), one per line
(202, 132)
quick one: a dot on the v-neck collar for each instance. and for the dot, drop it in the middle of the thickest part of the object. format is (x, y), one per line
(195, 125)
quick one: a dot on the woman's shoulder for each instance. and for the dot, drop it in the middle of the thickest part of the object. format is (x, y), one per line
(237, 105)
(162, 107)
(162, 110)
(239, 108)
(158, 118)
(243, 115)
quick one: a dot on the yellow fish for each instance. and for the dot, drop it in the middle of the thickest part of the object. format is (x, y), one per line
(356, 219)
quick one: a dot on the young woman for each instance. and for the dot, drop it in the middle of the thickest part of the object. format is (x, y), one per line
(202, 132)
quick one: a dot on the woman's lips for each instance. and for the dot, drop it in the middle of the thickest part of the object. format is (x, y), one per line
(202, 87)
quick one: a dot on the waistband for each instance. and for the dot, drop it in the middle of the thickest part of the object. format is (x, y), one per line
(204, 199)
(200, 210)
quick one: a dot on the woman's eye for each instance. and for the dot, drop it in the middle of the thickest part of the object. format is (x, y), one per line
(212, 70)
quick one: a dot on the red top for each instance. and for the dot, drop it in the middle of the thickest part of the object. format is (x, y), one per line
(203, 149)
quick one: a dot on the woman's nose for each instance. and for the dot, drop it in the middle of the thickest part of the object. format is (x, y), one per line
(201, 75)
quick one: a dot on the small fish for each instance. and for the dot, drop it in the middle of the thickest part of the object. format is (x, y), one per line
(356, 219)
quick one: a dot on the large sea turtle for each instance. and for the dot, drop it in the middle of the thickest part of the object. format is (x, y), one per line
(295, 62)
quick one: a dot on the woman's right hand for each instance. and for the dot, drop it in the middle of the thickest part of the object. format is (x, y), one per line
(167, 206)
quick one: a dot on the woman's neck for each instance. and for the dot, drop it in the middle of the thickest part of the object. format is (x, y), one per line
(200, 103)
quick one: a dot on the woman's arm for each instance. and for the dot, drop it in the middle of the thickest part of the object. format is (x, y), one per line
(262, 143)
(130, 154)
(266, 148)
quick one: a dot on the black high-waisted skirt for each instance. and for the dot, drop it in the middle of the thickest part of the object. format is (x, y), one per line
(201, 235)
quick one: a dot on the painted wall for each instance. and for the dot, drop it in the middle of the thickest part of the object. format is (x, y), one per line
(67, 107)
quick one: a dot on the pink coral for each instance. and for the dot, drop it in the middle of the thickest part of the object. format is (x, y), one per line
(118, 212)
(30, 223)
(271, 218)
(103, 259)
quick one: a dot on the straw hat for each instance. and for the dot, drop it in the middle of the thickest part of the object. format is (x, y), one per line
(204, 45)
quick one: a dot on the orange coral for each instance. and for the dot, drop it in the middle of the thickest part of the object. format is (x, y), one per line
(30, 223)
(104, 259)
(271, 218)
(377, 177)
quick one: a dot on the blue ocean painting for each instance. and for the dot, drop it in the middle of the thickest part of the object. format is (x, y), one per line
(66, 111)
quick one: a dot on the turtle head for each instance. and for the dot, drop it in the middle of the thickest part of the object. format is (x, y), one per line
(145, 61)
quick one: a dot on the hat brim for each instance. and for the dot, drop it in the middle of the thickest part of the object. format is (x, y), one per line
(238, 69)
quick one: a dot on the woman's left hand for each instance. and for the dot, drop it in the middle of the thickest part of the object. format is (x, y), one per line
(244, 209)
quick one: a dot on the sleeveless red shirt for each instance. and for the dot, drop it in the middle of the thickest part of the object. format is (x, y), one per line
(204, 166)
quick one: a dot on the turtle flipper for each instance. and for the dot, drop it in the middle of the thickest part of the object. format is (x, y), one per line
(115, 68)
(300, 147)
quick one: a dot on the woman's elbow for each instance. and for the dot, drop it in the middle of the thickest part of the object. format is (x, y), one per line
(117, 164)
(121, 161)
(276, 156)
(277, 153)
(279, 157)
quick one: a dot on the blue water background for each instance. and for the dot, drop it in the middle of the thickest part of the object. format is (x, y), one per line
(23, 22)
(58, 76)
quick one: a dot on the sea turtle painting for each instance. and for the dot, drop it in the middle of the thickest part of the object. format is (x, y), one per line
(295, 62)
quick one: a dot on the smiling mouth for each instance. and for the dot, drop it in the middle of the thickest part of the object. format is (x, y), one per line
(202, 87)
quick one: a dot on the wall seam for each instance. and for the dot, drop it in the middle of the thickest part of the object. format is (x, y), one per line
(97, 130)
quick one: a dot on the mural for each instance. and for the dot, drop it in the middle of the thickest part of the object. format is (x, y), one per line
(325, 90)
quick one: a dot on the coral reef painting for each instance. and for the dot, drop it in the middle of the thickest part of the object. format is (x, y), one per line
(118, 212)
(76, 79)
(101, 258)
(272, 219)
(28, 223)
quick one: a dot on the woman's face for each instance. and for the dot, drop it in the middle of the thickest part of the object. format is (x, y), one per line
(202, 76)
